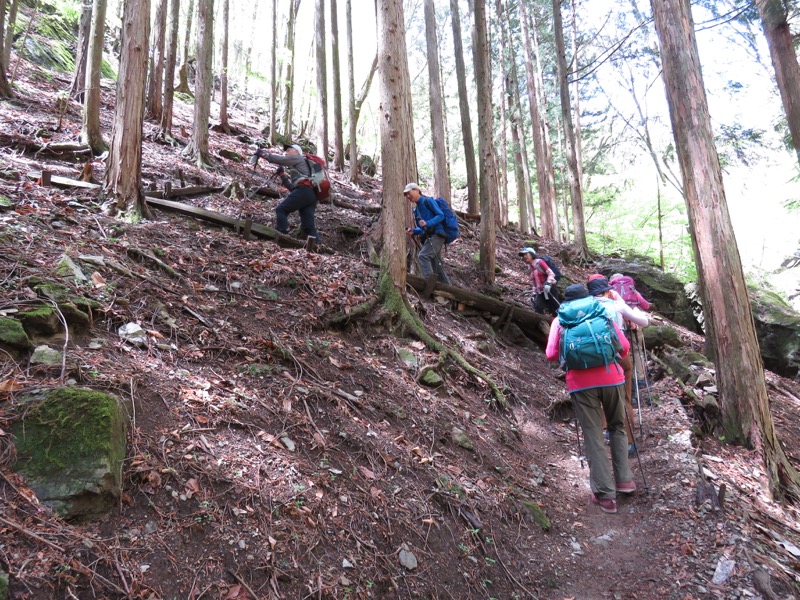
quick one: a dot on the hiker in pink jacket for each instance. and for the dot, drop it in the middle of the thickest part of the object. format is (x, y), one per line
(599, 391)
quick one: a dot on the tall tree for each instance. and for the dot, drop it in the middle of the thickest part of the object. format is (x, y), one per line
(573, 172)
(273, 84)
(169, 69)
(473, 206)
(183, 72)
(351, 92)
(5, 87)
(223, 78)
(397, 139)
(288, 104)
(441, 177)
(488, 166)
(322, 80)
(155, 85)
(90, 134)
(774, 21)
(545, 178)
(338, 137)
(744, 402)
(76, 89)
(9, 38)
(124, 171)
(197, 148)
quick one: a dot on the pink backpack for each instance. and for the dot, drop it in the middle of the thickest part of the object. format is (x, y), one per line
(626, 288)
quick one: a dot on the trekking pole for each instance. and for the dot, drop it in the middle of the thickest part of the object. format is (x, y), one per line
(638, 458)
(635, 379)
(577, 431)
(644, 373)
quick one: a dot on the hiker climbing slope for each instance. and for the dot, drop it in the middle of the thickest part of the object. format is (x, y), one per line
(545, 296)
(596, 384)
(436, 225)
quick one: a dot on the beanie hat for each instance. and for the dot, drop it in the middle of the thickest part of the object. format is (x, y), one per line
(576, 291)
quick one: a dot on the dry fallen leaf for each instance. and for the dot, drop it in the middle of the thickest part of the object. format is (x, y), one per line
(338, 364)
(9, 385)
(98, 280)
(366, 472)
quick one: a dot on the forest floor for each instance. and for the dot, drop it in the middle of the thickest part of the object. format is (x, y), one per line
(271, 456)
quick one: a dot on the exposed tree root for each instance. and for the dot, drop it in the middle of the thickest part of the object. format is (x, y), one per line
(397, 307)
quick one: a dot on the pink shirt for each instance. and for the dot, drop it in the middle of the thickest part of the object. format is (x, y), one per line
(582, 379)
(540, 273)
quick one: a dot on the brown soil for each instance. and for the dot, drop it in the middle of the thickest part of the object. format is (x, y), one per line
(216, 506)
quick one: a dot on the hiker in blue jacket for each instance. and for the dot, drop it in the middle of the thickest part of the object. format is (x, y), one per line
(429, 219)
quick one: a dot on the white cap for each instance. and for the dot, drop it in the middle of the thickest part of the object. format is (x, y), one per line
(296, 147)
(409, 187)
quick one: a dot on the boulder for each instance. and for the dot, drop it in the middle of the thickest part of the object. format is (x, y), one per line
(13, 336)
(778, 331)
(665, 291)
(70, 445)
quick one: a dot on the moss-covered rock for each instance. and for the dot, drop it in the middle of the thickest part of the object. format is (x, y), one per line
(538, 515)
(430, 378)
(778, 331)
(41, 322)
(4, 586)
(12, 334)
(658, 336)
(70, 445)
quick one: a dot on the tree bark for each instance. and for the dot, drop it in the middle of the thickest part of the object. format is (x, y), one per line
(351, 92)
(76, 89)
(9, 37)
(183, 75)
(322, 80)
(545, 179)
(223, 77)
(573, 173)
(5, 87)
(169, 71)
(288, 107)
(488, 166)
(473, 206)
(273, 86)
(441, 177)
(155, 86)
(743, 399)
(123, 175)
(774, 22)
(197, 148)
(90, 134)
(397, 140)
(338, 136)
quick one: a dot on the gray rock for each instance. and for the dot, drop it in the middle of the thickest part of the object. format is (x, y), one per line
(288, 444)
(407, 558)
(778, 331)
(408, 358)
(133, 333)
(461, 439)
(430, 378)
(45, 355)
(66, 267)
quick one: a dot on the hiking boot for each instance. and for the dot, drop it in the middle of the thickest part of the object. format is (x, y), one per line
(631, 449)
(627, 487)
(608, 505)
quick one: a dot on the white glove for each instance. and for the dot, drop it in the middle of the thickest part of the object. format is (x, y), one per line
(546, 291)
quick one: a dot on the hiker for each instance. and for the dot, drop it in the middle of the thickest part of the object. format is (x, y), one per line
(596, 391)
(543, 283)
(626, 288)
(294, 171)
(429, 220)
(619, 312)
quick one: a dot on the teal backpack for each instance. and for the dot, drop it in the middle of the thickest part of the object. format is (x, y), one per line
(588, 337)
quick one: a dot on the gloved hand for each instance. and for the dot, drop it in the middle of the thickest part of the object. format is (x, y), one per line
(546, 291)
(253, 160)
(417, 231)
(280, 171)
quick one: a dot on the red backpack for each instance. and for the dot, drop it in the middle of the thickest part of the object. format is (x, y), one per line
(319, 176)
(626, 287)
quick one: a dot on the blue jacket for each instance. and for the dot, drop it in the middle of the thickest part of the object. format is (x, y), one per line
(427, 210)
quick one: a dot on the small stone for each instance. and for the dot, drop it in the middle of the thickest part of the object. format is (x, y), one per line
(133, 333)
(346, 564)
(461, 438)
(407, 357)
(288, 444)
(431, 378)
(242, 544)
(407, 558)
(45, 355)
(724, 570)
(66, 267)
(577, 549)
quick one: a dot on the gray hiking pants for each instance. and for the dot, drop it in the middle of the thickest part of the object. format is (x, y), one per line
(430, 259)
(590, 405)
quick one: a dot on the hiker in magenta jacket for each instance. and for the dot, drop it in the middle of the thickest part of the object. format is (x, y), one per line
(596, 392)
(545, 296)
(639, 301)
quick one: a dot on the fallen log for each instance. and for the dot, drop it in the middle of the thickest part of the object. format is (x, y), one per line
(536, 326)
